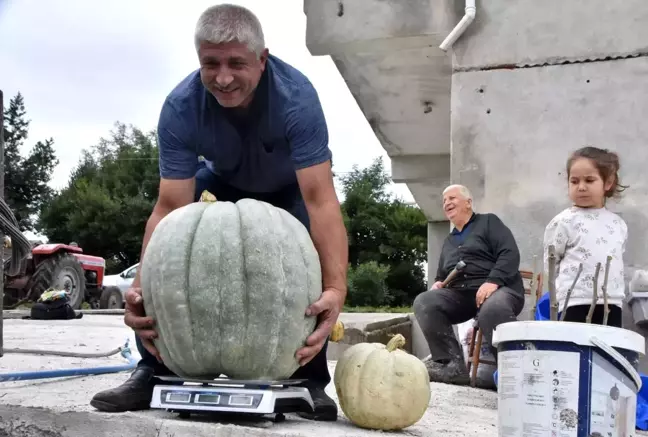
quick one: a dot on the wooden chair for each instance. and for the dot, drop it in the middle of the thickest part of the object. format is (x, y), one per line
(475, 344)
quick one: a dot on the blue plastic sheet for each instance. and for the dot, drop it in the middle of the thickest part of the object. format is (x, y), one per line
(642, 405)
(543, 313)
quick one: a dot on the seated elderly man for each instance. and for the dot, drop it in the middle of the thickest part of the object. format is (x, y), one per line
(489, 286)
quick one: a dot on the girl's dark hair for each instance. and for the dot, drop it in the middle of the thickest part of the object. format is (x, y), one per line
(607, 164)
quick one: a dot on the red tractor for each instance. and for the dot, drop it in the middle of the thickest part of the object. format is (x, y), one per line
(61, 267)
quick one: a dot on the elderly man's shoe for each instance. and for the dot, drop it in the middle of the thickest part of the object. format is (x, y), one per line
(135, 394)
(451, 372)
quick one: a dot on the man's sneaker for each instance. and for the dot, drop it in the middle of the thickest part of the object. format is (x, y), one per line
(325, 408)
(453, 372)
(135, 394)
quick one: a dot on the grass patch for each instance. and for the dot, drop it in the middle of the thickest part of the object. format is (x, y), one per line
(385, 309)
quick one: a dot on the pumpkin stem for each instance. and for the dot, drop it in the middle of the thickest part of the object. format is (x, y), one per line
(396, 342)
(206, 196)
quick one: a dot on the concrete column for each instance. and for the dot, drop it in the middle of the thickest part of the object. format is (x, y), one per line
(437, 232)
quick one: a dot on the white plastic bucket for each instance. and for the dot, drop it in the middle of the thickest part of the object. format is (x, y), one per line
(564, 379)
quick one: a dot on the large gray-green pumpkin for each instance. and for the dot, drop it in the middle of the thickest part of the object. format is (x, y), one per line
(228, 285)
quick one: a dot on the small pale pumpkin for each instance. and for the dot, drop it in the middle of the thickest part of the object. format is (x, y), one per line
(337, 333)
(382, 387)
(228, 285)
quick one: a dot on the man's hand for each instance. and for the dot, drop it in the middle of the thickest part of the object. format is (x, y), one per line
(135, 317)
(436, 285)
(484, 292)
(327, 309)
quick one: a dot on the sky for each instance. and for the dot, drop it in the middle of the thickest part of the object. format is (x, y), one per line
(82, 69)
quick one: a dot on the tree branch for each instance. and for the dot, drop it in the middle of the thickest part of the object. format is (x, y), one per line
(569, 292)
(594, 295)
(552, 283)
(533, 286)
(604, 288)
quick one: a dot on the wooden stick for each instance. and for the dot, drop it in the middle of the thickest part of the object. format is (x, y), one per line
(569, 292)
(552, 283)
(606, 310)
(594, 295)
(532, 286)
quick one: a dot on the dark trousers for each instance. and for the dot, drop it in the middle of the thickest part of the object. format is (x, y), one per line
(578, 313)
(437, 310)
(290, 199)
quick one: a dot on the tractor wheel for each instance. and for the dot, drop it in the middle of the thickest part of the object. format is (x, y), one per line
(111, 299)
(62, 272)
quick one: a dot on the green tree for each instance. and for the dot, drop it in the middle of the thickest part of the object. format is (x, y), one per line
(367, 285)
(386, 236)
(27, 178)
(109, 197)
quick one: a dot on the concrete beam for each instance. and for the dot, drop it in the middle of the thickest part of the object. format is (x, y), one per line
(428, 197)
(425, 176)
(405, 96)
(530, 32)
(336, 26)
(420, 168)
(388, 54)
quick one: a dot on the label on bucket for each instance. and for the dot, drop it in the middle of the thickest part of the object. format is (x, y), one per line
(538, 393)
(614, 403)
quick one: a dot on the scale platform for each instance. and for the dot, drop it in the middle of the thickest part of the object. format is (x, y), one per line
(222, 395)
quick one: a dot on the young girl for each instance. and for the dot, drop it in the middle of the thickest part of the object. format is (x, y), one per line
(587, 233)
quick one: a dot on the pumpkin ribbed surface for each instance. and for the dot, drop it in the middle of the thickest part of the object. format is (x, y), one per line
(382, 387)
(228, 285)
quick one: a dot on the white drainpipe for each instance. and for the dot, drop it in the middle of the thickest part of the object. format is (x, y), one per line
(460, 28)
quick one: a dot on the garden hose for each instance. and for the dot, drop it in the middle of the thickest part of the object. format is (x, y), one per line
(64, 354)
(81, 371)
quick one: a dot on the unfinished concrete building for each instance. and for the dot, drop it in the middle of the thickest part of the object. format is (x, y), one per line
(501, 107)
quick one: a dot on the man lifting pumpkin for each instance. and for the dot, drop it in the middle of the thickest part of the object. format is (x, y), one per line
(259, 125)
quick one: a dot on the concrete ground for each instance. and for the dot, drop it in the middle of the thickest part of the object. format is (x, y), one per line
(60, 407)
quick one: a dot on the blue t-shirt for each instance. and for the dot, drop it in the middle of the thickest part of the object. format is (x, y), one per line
(284, 131)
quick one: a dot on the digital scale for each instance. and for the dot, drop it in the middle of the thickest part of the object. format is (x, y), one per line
(223, 395)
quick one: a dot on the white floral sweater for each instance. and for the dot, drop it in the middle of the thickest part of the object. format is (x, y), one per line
(587, 236)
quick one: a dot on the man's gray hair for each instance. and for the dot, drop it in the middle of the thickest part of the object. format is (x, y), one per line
(465, 192)
(226, 23)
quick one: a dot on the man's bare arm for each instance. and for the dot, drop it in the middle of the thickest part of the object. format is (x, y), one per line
(173, 194)
(327, 226)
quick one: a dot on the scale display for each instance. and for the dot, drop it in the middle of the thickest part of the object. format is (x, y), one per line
(209, 396)
(227, 397)
(209, 399)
